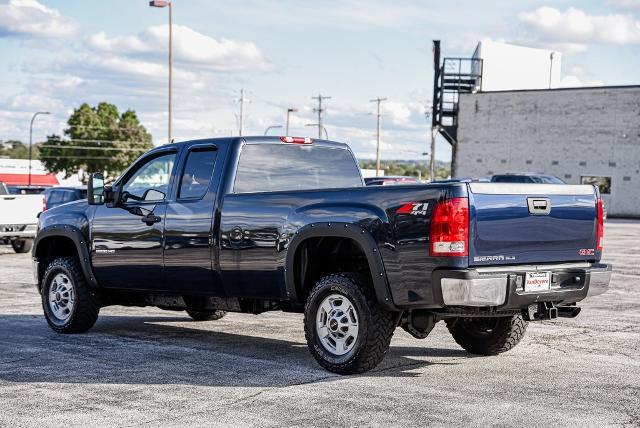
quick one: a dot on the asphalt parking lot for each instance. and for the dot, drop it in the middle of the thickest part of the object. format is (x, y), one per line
(153, 367)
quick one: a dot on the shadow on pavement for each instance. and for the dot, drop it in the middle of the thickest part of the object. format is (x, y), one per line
(148, 351)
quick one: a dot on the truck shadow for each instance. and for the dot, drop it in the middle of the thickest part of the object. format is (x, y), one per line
(155, 351)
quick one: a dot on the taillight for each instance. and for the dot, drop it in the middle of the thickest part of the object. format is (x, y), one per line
(44, 203)
(600, 229)
(449, 232)
(296, 140)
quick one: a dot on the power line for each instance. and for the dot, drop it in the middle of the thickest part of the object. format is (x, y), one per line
(98, 141)
(97, 148)
(76, 157)
(103, 127)
(378, 101)
(319, 110)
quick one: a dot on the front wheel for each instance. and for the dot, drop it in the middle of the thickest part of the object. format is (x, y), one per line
(487, 336)
(70, 306)
(347, 331)
(22, 246)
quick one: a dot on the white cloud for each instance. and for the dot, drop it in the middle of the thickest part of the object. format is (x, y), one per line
(31, 18)
(189, 46)
(625, 4)
(573, 81)
(577, 27)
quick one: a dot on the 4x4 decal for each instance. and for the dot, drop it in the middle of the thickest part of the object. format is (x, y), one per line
(413, 208)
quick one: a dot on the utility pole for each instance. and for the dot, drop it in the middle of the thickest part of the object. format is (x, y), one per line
(319, 110)
(378, 115)
(435, 114)
(160, 3)
(241, 101)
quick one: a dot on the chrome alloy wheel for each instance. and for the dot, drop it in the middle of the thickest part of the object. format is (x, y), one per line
(61, 299)
(337, 324)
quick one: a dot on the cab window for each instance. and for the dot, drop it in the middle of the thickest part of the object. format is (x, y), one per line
(152, 175)
(197, 173)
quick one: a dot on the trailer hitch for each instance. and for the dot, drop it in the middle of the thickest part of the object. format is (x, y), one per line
(540, 311)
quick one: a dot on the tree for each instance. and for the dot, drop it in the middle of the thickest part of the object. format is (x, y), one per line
(18, 150)
(98, 139)
(408, 168)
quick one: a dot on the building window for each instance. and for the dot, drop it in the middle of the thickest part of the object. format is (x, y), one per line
(583, 163)
(603, 183)
(612, 164)
(567, 176)
(479, 160)
(554, 162)
(529, 162)
(503, 161)
(626, 178)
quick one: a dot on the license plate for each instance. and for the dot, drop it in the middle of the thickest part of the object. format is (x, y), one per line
(537, 281)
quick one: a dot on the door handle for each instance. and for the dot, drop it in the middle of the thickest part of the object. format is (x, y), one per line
(150, 219)
(236, 234)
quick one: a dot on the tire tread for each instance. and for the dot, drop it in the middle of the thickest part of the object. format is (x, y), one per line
(87, 307)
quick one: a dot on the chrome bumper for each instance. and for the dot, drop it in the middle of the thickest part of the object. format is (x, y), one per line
(502, 287)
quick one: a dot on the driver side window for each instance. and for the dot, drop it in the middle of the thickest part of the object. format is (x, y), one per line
(153, 175)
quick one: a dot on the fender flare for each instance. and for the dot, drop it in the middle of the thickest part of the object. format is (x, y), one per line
(80, 242)
(341, 230)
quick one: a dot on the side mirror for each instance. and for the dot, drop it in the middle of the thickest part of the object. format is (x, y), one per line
(152, 195)
(95, 189)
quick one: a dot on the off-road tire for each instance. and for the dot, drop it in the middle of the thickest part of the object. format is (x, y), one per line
(472, 334)
(205, 315)
(87, 303)
(22, 246)
(375, 325)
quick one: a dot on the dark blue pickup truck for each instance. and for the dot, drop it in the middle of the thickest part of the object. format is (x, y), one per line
(265, 223)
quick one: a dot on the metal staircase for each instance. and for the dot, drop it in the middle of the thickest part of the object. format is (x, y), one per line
(454, 77)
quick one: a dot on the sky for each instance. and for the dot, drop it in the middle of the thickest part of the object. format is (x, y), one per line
(59, 54)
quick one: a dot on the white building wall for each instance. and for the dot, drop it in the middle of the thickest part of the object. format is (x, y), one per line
(569, 133)
(511, 67)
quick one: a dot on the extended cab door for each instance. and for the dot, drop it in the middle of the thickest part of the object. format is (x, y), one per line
(127, 237)
(190, 256)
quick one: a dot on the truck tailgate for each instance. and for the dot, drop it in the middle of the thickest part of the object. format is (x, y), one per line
(20, 209)
(531, 223)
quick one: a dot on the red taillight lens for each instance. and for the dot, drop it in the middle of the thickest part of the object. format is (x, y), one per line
(44, 203)
(600, 230)
(296, 140)
(449, 232)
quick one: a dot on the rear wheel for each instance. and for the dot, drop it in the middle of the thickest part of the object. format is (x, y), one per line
(347, 331)
(21, 246)
(487, 336)
(69, 305)
(206, 315)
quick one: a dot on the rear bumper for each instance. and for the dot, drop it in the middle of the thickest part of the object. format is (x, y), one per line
(502, 287)
(9, 231)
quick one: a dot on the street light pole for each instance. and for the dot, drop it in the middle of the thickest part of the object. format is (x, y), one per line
(271, 127)
(159, 3)
(289, 111)
(379, 101)
(31, 139)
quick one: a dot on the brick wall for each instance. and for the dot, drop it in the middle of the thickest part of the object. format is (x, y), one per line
(568, 133)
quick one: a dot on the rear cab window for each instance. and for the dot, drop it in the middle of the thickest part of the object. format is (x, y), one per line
(285, 167)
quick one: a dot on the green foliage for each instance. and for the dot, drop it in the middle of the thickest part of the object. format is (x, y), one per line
(408, 168)
(18, 151)
(99, 139)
